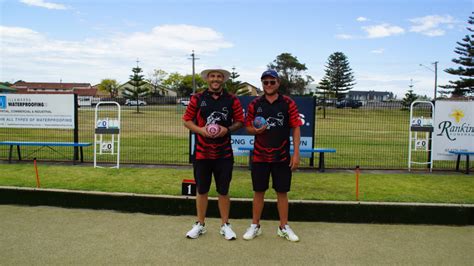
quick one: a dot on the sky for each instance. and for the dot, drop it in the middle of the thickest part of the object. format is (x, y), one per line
(390, 44)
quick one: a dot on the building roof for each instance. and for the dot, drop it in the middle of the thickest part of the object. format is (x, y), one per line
(86, 92)
(50, 85)
(246, 83)
(257, 89)
(4, 88)
(146, 84)
(81, 89)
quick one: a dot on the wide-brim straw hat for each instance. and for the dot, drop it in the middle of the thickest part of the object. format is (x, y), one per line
(224, 72)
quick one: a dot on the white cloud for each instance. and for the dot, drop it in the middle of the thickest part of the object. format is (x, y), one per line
(12, 33)
(382, 30)
(166, 47)
(362, 19)
(344, 36)
(430, 25)
(41, 3)
(378, 51)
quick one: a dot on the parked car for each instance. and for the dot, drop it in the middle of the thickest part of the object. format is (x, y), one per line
(183, 101)
(135, 103)
(327, 102)
(349, 103)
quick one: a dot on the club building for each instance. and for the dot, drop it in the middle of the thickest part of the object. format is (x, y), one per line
(370, 96)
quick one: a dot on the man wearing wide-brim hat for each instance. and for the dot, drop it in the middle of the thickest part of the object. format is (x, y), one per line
(217, 109)
(223, 72)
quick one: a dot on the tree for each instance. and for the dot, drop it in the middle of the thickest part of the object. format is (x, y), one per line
(138, 90)
(410, 97)
(324, 88)
(183, 85)
(339, 74)
(234, 86)
(289, 69)
(109, 85)
(173, 81)
(186, 86)
(465, 50)
(6, 83)
(156, 79)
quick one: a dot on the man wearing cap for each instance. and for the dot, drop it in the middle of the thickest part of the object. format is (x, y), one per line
(213, 153)
(271, 154)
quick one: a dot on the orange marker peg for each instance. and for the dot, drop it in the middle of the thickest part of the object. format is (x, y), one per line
(37, 176)
(357, 170)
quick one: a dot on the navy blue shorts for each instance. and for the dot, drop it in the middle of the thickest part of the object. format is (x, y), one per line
(222, 170)
(281, 176)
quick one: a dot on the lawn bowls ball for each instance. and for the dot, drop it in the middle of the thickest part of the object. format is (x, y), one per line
(213, 129)
(259, 122)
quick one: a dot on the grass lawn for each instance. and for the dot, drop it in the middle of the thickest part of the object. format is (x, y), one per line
(307, 185)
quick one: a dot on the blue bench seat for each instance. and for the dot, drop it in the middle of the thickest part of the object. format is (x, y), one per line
(321, 152)
(459, 154)
(43, 144)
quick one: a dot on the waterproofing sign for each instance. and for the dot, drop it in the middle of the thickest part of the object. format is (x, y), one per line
(37, 111)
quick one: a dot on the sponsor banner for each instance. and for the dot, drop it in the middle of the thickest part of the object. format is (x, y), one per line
(246, 141)
(37, 111)
(453, 129)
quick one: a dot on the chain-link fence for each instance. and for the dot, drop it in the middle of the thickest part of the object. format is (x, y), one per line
(374, 136)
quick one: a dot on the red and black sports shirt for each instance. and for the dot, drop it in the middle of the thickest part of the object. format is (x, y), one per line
(273, 145)
(204, 110)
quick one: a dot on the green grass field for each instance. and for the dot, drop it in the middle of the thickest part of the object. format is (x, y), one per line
(306, 185)
(374, 138)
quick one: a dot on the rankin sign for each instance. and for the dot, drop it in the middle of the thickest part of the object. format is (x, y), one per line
(454, 129)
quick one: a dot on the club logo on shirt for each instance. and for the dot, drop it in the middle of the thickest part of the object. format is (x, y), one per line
(259, 110)
(203, 103)
(274, 122)
(216, 116)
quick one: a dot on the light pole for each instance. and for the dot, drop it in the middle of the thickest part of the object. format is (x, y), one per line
(194, 79)
(436, 76)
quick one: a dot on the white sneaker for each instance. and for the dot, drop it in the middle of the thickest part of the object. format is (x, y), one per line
(252, 232)
(197, 230)
(288, 233)
(227, 232)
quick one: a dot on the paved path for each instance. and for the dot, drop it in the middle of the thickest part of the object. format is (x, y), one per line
(49, 235)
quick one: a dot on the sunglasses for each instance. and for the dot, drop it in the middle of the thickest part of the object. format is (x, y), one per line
(271, 82)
